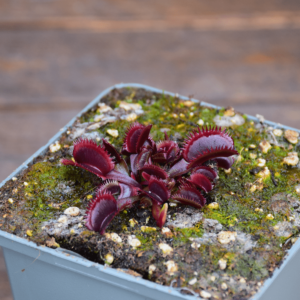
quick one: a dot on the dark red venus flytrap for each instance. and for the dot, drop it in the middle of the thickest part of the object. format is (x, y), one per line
(152, 172)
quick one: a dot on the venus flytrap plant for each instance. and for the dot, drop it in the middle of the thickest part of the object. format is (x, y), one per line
(152, 173)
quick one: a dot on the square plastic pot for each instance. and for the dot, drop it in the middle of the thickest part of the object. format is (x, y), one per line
(38, 272)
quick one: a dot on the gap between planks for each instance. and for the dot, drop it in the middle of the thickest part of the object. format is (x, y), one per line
(276, 20)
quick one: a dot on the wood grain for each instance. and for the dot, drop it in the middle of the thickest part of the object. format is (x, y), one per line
(244, 22)
(106, 9)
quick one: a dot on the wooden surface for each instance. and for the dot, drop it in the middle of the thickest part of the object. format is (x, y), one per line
(56, 56)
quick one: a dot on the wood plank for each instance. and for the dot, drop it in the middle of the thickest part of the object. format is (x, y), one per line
(42, 103)
(136, 8)
(257, 67)
(245, 22)
(36, 129)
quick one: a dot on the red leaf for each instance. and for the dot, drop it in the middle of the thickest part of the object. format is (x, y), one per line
(122, 167)
(170, 183)
(143, 137)
(68, 162)
(210, 173)
(111, 186)
(101, 211)
(137, 161)
(127, 191)
(211, 154)
(158, 189)
(132, 176)
(111, 150)
(167, 152)
(143, 158)
(190, 196)
(159, 214)
(87, 154)
(201, 181)
(179, 168)
(115, 175)
(160, 158)
(146, 176)
(133, 164)
(126, 202)
(154, 171)
(136, 135)
(224, 162)
(166, 136)
(206, 144)
(150, 144)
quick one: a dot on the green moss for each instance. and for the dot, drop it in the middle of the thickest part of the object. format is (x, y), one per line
(52, 187)
(146, 239)
(183, 235)
(247, 267)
